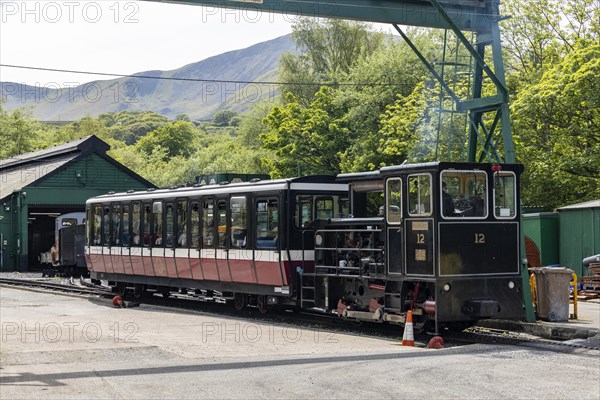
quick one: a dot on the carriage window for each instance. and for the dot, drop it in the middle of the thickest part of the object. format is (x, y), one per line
(208, 223)
(96, 238)
(324, 207)
(182, 223)
(238, 222)
(505, 195)
(394, 200)
(157, 234)
(344, 208)
(135, 224)
(267, 218)
(419, 194)
(106, 226)
(125, 225)
(195, 227)
(223, 228)
(464, 194)
(304, 213)
(116, 225)
(170, 225)
(146, 220)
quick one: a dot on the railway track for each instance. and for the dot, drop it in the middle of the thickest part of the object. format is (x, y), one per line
(311, 320)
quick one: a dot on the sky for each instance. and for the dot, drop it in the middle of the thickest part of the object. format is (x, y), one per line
(121, 37)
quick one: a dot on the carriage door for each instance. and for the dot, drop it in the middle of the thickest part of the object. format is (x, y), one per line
(393, 206)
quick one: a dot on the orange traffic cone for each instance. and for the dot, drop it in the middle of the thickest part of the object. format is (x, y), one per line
(408, 338)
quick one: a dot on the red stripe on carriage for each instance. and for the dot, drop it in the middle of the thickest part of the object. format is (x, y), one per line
(196, 270)
(184, 268)
(126, 259)
(171, 267)
(241, 271)
(137, 265)
(209, 267)
(147, 263)
(160, 266)
(268, 273)
(117, 263)
(223, 267)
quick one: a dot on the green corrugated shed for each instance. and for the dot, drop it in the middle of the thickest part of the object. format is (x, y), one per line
(57, 179)
(579, 234)
(543, 228)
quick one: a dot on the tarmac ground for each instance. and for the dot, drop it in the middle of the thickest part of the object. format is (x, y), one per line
(64, 347)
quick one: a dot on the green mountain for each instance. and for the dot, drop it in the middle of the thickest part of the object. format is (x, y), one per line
(222, 87)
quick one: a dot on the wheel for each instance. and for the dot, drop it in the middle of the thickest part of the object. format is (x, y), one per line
(139, 290)
(261, 304)
(239, 301)
(120, 289)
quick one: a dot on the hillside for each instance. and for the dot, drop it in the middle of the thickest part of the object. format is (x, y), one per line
(199, 100)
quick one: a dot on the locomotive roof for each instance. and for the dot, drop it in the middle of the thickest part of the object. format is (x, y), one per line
(428, 166)
(304, 182)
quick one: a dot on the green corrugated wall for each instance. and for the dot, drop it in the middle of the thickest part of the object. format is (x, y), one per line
(579, 236)
(91, 176)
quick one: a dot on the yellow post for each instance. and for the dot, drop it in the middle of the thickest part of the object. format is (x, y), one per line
(532, 285)
(574, 283)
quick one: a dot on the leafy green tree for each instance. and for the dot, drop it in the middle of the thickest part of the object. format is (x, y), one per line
(19, 132)
(223, 117)
(329, 49)
(307, 140)
(130, 126)
(177, 137)
(557, 131)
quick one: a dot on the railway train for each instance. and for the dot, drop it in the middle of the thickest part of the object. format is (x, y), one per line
(440, 239)
(67, 254)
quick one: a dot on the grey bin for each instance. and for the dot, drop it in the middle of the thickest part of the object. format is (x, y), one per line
(552, 293)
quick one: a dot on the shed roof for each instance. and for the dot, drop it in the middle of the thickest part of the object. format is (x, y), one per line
(21, 171)
(586, 204)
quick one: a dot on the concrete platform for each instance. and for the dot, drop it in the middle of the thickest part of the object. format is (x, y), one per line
(587, 324)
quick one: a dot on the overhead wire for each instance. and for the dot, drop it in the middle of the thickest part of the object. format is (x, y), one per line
(169, 78)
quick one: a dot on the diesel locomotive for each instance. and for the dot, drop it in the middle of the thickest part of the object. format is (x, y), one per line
(439, 239)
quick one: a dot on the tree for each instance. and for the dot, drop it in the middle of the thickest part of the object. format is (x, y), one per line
(307, 140)
(177, 137)
(19, 132)
(557, 131)
(329, 49)
(223, 117)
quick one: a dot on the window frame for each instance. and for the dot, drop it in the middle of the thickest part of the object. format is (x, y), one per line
(485, 196)
(387, 200)
(514, 195)
(430, 213)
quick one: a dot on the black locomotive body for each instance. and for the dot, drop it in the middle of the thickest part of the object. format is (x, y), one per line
(440, 239)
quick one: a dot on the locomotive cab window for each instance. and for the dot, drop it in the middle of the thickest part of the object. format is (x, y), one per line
(463, 194)
(394, 201)
(419, 195)
(505, 194)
